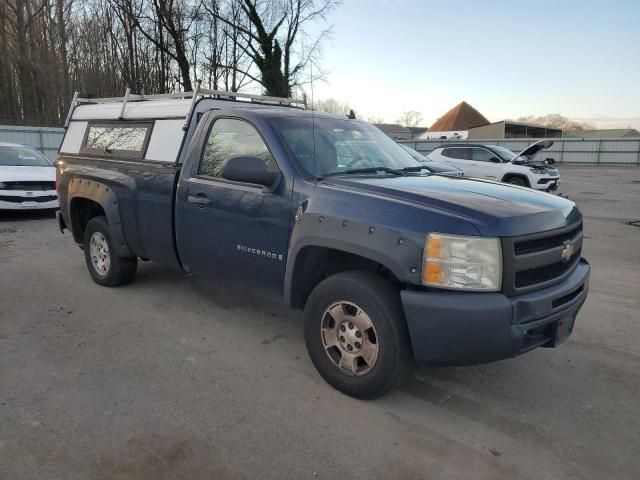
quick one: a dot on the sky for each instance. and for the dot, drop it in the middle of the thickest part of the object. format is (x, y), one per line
(508, 59)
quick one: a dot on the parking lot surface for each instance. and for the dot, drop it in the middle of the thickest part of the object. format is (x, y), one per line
(174, 377)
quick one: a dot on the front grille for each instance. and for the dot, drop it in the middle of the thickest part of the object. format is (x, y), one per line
(539, 260)
(545, 243)
(542, 181)
(40, 199)
(532, 276)
(30, 186)
(567, 298)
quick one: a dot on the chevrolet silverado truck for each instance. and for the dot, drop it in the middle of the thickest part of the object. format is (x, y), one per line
(392, 265)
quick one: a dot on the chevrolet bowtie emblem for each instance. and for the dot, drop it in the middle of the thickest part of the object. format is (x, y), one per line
(567, 251)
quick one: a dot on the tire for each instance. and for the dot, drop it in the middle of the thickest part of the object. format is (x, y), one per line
(341, 300)
(521, 182)
(105, 266)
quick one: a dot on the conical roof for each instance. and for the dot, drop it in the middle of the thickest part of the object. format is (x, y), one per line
(461, 117)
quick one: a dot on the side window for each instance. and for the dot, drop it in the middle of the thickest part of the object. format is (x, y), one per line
(482, 155)
(116, 140)
(457, 152)
(231, 138)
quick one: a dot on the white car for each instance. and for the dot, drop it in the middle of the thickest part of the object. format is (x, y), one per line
(494, 162)
(27, 179)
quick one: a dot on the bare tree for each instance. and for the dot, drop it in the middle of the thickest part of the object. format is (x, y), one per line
(272, 40)
(410, 119)
(375, 119)
(554, 120)
(173, 18)
(331, 105)
(50, 48)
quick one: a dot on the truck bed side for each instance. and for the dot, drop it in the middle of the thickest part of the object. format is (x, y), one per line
(136, 198)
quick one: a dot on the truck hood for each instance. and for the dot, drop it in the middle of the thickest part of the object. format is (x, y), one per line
(21, 174)
(495, 209)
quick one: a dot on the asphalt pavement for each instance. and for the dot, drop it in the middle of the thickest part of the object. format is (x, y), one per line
(175, 377)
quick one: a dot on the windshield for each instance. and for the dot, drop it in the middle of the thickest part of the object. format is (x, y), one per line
(504, 153)
(11, 156)
(335, 146)
(415, 154)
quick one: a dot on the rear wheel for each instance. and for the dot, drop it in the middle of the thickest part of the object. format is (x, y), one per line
(356, 335)
(105, 266)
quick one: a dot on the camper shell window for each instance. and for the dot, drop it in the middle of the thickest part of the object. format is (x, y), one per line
(118, 140)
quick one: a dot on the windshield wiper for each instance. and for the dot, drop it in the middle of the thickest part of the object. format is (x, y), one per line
(363, 170)
(417, 168)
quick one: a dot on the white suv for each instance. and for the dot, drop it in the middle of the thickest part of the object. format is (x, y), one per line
(498, 163)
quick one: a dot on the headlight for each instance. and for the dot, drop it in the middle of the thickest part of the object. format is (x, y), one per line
(461, 262)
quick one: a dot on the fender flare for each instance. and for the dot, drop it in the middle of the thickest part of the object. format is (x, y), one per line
(104, 196)
(405, 265)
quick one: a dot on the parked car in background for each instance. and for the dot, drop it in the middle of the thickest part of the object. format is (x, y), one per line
(495, 162)
(432, 166)
(27, 179)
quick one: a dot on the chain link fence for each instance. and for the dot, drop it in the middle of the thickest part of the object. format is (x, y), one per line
(621, 151)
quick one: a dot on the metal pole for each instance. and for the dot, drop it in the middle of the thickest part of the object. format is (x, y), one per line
(599, 149)
(561, 150)
(71, 108)
(638, 160)
(124, 103)
(194, 99)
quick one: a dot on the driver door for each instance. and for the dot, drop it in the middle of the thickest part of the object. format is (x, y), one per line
(227, 229)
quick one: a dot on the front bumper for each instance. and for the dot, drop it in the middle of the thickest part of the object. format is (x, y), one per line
(464, 328)
(548, 184)
(29, 205)
(28, 200)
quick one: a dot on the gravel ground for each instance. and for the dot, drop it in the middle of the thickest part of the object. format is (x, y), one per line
(173, 377)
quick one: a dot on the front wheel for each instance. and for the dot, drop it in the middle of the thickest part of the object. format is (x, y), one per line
(105, 266)
(516, 181)
(356, 335)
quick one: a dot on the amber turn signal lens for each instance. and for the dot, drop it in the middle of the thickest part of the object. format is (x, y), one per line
(433, 247)
(431, 273)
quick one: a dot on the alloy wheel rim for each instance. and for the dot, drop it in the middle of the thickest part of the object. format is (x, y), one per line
(349, 338)
(99, 253)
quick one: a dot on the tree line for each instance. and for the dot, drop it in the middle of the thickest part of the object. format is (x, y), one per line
(51, 48)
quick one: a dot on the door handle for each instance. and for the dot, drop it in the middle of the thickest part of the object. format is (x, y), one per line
(198, 200)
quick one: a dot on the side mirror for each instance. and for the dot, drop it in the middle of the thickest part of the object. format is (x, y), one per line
(247, 169)
(549, 161)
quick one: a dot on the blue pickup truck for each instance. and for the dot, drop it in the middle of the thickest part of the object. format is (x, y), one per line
(392, 265)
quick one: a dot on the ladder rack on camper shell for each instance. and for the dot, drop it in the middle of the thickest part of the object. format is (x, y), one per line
(198, 92)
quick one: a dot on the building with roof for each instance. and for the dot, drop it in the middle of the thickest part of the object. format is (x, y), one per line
(509, 129)
(395, 131)
(606, 133)
(455, 123)
(461, 117)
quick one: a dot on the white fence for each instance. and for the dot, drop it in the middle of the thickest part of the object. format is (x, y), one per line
(45, 139)
(621, 151)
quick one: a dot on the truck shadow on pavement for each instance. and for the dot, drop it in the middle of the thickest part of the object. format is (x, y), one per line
(26, 215)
